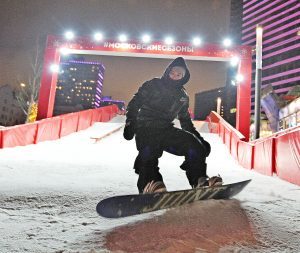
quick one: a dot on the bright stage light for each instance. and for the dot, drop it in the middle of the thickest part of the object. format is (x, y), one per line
(197, 41)
(64, 51)
(146, 38)
(234, 61)
(54, 68)
(98, 36)
(227, 42)
(123, 38)
(169, 40)
(239, 78)
(69, 35)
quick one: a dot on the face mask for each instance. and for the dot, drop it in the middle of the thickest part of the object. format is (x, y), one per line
(177, 73)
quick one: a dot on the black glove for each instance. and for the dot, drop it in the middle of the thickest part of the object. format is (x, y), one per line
(129, 130)
(206, 145)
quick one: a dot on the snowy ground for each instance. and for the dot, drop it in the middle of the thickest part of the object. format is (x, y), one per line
(49, 191)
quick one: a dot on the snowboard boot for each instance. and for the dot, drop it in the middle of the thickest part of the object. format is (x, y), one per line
(202, 181)
(212, 181)
(215, 181)
(154, 186)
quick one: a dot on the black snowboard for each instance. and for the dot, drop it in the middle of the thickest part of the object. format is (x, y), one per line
(127, 205)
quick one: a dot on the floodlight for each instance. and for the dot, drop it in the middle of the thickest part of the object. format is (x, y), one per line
(196, 41)
(54, 68)
(227, 42)
(234, 61)
(239, 78)
(146, 38)
(169, 40)
(69, 35)
(98, 36)
(64, 51)
(123, 38)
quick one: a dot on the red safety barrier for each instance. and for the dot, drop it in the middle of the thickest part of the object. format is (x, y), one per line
(222, 132)
(20, 135)
(227, 137)
(234, 145)
(114, 110)
(1, 144)
(214, 117)
(48, 129)
(54, 128)
(213, 127)
(245, 154)
(279, 153)
(68, 124)
(105, 114)
(263, 159)
(84, 120)
(287, 156)
(96, 116)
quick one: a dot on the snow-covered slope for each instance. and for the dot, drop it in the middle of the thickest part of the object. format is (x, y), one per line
(49, 191)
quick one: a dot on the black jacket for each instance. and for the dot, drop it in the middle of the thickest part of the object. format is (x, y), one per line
(160, 100)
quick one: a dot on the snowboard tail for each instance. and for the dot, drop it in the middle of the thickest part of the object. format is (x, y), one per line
(127, 205)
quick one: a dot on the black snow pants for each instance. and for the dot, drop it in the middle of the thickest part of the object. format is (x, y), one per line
(152, 142)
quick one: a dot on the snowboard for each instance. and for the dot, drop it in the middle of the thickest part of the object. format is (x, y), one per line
(128, 205)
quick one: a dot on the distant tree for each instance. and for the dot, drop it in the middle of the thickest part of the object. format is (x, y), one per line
(27, 94)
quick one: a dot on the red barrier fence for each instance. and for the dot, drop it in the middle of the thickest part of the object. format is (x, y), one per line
(279, 153)
(54, 128)
(48, 129)
(287, 159)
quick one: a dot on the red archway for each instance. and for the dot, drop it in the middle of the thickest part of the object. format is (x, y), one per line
(208, 52)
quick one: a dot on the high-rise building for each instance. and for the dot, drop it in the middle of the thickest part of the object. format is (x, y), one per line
(280, 20)
(79, 86)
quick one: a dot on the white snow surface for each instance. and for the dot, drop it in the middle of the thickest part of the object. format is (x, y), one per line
(49, 192)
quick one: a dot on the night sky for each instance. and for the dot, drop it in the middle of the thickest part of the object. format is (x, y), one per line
(23, 21)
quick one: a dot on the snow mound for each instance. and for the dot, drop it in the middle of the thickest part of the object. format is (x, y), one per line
(208, 226)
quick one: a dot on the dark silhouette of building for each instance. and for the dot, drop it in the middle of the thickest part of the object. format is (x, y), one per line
(206, 101)
(10, 111)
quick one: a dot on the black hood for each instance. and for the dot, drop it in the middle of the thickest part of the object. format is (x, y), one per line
(177, 62)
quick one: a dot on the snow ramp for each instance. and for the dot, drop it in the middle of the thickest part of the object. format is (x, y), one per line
(49, 192)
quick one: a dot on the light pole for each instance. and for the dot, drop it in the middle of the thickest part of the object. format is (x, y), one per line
(219, 100)
(258, 75)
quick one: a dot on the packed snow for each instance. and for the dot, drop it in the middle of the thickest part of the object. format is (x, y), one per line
(49, 191)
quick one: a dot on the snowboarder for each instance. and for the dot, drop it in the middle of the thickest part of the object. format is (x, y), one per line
(150, 115)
